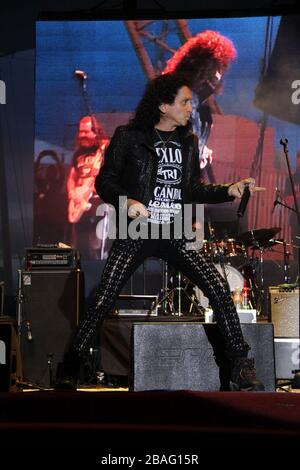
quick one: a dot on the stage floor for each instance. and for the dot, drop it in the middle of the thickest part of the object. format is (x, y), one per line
(280, 387)
(118, 421)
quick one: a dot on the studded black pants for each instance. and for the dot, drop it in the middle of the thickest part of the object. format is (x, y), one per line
(125, 257)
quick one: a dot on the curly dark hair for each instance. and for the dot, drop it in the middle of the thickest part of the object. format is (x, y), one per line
(201, 56)
(162, 89)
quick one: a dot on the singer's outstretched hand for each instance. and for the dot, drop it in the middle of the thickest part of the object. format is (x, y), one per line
(237, 189)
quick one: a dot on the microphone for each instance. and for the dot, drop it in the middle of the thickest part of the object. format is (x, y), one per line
(80, 74)
(244, 201)
(211, 232)
(277, 194)
(29, 334)
(283, 141)
(274, 205)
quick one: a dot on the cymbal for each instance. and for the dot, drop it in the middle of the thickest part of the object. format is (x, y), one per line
(258, 238)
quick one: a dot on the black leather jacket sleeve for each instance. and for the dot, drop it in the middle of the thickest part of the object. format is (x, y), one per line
(212, 193)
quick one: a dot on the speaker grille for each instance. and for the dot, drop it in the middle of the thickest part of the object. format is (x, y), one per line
(285, 312)
(52, 303)
(190, 356)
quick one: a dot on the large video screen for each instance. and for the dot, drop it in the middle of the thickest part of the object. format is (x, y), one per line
(90, 75)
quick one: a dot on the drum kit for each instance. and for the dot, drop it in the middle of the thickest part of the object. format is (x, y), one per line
(246, 281)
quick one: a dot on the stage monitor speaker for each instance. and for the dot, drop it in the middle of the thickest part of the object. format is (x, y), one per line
(10, 363)
(287, 357)
(185, 356)
(51, 306)
(285, 312)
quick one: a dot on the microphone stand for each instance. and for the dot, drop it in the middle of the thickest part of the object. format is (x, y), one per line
(82, 77)
(284, 143)
(285, 205)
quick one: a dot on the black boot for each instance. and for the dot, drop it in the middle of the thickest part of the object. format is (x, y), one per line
(67, 373)
(243, 376)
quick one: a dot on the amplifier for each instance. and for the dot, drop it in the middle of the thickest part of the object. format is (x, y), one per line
(52, 302)
(284, 308)
(51, 257)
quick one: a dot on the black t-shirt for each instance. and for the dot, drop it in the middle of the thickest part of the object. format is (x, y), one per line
(166, 201)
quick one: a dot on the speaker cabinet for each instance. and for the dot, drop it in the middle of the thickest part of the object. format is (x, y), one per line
(10, 364)
(285, 312)
(51, 306)
(287, 357)
(189, 356)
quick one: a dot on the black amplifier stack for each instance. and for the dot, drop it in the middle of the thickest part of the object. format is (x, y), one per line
(50, 302)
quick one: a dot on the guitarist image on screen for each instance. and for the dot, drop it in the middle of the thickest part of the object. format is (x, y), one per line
(82, 197)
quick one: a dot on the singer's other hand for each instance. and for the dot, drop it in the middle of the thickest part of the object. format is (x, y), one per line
(136, 209)
(237, 189)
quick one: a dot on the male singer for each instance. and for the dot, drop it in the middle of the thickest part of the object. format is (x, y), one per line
(153, 161)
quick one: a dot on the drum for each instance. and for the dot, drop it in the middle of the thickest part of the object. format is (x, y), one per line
(222, 249)
(234, 277)
(232, 248)
(209, 248)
